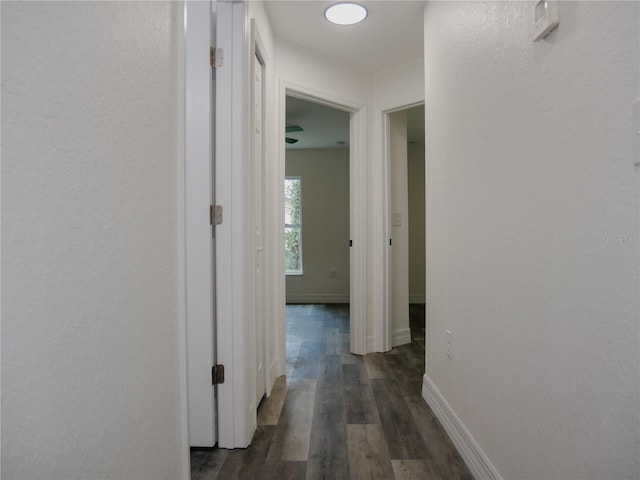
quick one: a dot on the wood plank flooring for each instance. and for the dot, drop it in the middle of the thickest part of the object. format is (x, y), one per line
(340, 416)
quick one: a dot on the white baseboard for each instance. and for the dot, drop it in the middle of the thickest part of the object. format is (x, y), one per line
(400, 337)
(417, 298)
(317, 298)
(477, 461)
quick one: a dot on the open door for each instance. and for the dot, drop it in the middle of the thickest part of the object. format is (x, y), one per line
(200, 233)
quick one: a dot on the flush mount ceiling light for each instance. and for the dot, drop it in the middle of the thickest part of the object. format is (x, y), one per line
(345, 13)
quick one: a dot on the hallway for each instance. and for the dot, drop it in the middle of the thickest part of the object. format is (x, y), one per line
(338, 415)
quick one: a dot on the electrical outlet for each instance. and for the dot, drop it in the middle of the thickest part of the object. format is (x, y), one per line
(332, 274)
(449, 334)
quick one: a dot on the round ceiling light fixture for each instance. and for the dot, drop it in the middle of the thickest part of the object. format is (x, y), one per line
(345, 13)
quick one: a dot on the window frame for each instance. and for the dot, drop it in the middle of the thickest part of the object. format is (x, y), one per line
(297, 226)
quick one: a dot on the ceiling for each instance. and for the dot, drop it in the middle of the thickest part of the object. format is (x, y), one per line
(323, 127)
(390, 35)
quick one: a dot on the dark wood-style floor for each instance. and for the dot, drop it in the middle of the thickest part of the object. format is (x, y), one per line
(340, 416)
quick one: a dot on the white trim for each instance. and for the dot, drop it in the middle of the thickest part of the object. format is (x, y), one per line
(317, 298)
(401, 337)
(400, 106)
(475, 458)
(322, 98)
(417, 298)
(185, 460)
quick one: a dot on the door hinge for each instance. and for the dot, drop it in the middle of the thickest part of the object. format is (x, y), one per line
(351, 243)
(216, 57)
(215, 214)
(217, 374)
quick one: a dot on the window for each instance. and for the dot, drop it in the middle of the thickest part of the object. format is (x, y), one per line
(293, 225)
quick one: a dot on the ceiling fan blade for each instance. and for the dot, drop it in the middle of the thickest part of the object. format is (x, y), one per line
(293, 128)
(290, 140)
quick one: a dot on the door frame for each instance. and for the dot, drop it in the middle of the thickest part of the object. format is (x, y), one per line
(236, 421)
(383, 329)
(357, 212)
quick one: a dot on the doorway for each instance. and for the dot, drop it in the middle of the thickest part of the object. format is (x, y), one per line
(356, 206)
(407, 214)
(316, 211)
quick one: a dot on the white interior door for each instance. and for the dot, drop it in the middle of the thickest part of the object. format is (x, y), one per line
(212, 163)
(258, 215)
(199, 240)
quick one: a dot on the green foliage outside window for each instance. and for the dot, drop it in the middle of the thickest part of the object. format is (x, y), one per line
(293, 225)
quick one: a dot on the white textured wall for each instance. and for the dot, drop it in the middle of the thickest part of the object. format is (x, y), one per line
(325, 225)
(398, 85)
(533, 233)
(315, 73)
(90, 383)
(399, 208)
